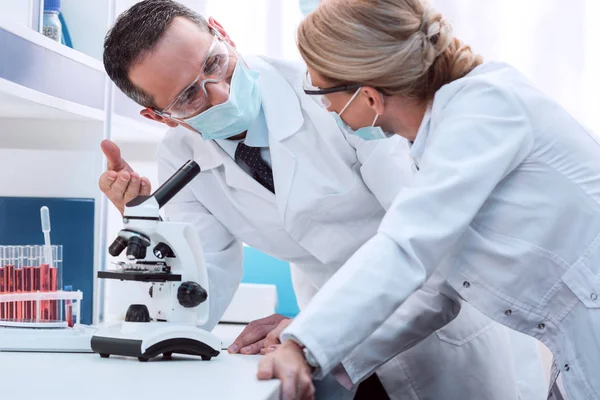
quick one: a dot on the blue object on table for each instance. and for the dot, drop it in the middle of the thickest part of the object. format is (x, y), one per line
(262, 268)
(72, 222)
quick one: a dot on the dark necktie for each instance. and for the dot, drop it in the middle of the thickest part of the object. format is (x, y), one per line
(259, 169)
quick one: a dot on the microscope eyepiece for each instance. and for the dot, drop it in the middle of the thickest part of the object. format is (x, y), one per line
(175, 183)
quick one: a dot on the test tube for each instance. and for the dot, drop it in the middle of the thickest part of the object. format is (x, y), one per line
(56, 281)
(9, 276)
(69, 308)
(27, 281)
(35, 264)
(18, 257)
(2, 280)
(45, 287)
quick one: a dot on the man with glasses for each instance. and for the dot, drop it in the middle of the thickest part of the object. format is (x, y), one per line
(280, 175)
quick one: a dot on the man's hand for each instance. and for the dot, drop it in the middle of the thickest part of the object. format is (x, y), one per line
(272, 341)
(287, 364)
(253, 337)
(119, 182)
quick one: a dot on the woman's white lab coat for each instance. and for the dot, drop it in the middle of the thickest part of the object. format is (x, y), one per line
(329, 195)
(506, 203)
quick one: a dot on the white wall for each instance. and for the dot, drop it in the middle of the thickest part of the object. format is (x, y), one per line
(553, 42)
(52, 159)
(18, 11)
(266, 27)
(87, 22)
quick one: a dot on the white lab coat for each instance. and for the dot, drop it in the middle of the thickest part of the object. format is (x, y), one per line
(329, 194)
(507, 204)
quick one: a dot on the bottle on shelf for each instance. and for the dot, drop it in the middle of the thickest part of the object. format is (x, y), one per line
(52, 26)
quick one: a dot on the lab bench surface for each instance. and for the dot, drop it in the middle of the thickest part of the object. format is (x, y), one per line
(28, 376)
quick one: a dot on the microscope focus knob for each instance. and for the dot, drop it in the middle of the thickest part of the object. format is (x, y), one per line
(191, 294)
(163, 250)
(137, 313)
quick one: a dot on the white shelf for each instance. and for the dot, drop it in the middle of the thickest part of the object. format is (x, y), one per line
(41, 40)
(26, 86)
(17, 101)
(22, 102)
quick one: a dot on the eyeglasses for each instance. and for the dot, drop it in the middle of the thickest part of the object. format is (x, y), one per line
(318, 94)
(194, 98)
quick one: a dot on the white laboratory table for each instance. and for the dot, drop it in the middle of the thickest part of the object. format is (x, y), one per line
(28, 376)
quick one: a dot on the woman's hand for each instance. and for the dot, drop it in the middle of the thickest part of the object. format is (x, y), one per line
(287, 364)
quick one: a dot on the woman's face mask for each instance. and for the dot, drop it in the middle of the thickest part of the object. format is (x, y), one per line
(366, 133)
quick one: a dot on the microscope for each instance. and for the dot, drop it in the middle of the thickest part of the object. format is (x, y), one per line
(166, 256)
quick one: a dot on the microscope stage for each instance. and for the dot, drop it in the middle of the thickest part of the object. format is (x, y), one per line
(140, 276)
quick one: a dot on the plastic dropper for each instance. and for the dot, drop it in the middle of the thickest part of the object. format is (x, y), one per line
(45, 213)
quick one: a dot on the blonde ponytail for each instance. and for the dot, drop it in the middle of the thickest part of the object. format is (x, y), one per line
(402, 47)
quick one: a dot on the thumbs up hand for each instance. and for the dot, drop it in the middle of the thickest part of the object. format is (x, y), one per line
(119, 182)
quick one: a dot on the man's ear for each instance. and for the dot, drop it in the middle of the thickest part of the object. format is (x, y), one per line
(150, 114)
(219, 28)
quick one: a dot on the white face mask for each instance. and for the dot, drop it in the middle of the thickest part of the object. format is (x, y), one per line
(366, 133)
(235, 115)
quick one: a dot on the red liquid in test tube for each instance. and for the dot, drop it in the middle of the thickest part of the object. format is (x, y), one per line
(2, 305)
(26, 259)
(19, 289)
(9, 277)
(28, 282)
(69, 313)
(45, 287)
(53, 288)
(36, 287)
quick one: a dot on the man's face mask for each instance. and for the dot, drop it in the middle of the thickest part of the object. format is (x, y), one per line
(227, 119)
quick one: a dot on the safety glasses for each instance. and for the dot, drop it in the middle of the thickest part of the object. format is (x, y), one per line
(319, 94)
(194, 98)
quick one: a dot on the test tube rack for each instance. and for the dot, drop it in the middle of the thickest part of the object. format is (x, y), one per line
(31, 286)
(36, 314)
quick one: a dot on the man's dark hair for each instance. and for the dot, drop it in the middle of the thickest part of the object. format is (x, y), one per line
(136, 32)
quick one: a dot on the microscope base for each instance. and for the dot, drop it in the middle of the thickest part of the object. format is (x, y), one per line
(146, 340)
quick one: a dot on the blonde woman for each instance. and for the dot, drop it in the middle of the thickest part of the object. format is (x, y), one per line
(505, 199)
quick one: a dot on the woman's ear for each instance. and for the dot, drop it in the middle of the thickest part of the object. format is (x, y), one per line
(374, 99)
